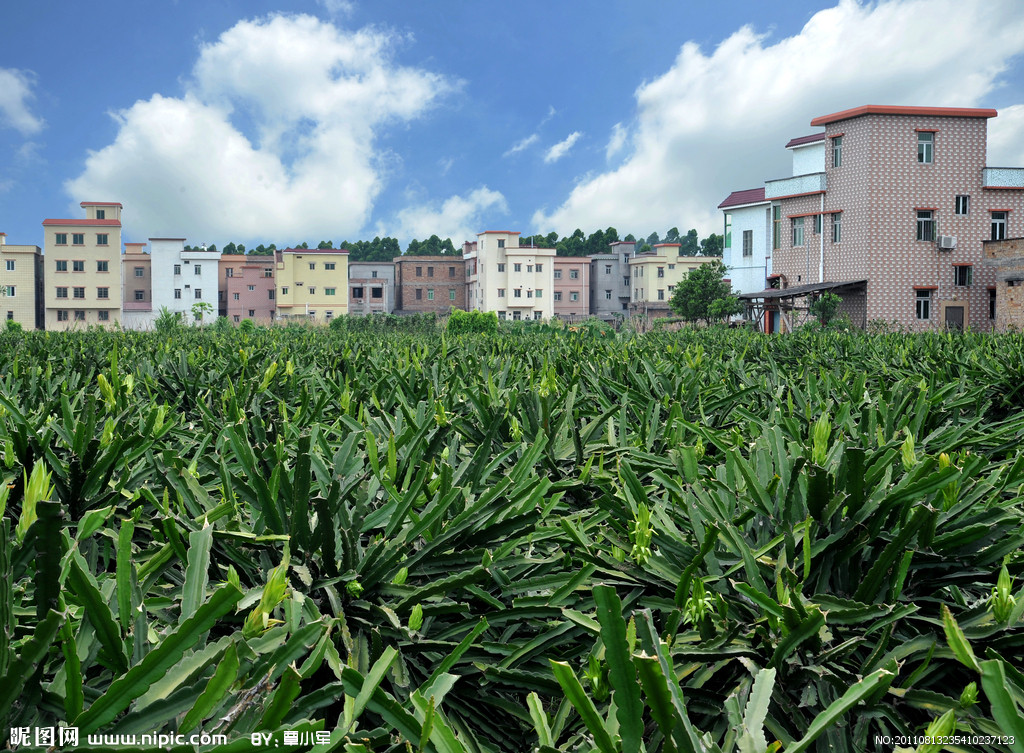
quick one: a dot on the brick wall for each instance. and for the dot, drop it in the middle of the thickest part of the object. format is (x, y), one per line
(443, 282)
(1006, 259)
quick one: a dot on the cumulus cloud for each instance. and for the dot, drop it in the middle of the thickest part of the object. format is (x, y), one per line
(717, 122)
(616, 141)
(522, 144)
(1006, 138)
(458, 217)
(15, 96)
(269, 141)
(562, 148)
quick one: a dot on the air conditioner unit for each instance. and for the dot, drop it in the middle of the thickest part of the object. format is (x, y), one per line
(947, 242)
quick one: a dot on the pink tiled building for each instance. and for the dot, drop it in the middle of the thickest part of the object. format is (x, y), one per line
(895, 223)
(572, 287)
(247, 288)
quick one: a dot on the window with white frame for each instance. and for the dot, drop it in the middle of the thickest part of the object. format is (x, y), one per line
(574, 296)
(925, 225)
(558, 295)
(963, 204)
(999, 225)
(10, 265)
(607, 295)
(748, 242)
(517, 267)
(574, 274)
(925, 147)
(837, 227)
(558, 274)
(924, 304)
(517, 293)
(798, 231)
(837, 151)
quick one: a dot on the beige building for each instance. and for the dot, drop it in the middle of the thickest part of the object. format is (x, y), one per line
(312, 284)
(82, 268)
(21, 280)
(654, 277)
(516, 282)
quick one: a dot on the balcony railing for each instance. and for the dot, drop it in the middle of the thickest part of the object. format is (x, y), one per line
(798, 184)
(1003, 177)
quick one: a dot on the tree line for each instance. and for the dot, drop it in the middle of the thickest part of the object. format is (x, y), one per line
(577, 244)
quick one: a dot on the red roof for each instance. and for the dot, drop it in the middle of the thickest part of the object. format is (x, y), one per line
(935, 112)
(71, 223)
(101, 204)
(801, 140)
(738, 198)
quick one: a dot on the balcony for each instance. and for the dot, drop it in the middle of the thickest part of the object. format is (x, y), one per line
(798, 184)
(1003, 177)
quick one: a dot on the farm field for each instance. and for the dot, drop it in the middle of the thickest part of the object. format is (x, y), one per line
(532, 541)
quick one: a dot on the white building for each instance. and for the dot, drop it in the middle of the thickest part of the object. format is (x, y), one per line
(516, 282)
(183, 278)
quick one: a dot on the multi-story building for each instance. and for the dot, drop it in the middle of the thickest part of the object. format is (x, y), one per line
(21, 284)
(654, 276)
(247, 288)
(372, 286)
(895, 221)
(82, 267)
(183, 278)
(430, 283)
(312, 284)
(571, 296)
(137, 287)
(515, 281)
(610, 288)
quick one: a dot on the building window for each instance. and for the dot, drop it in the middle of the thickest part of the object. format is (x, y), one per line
(671, 288)
(536, 316)
(574, 296)
(924, 304)
(517, 293)
(607, 295)
(430, 271)
(558, 274)
(197, 269)
(817, 224)
(177, 269)
(748, 242)
(727, 233)
(837, 151)
(625, 258)
(10, 314)
(62, 316)
(538, 292)
(199, 294)
(501, 315)
(837, 227)
(517, 315)
(10, 265)
(625, 282)
(999, 225)
(271, 294)
(102, 266)
(236, 317)
(101, 239)
(61, 239)
(529, 294)
(78, 292)
(78, 239)
(103, 316)
(517, 267)
(673, 266)
(140, 271)
(284, 290)
(776, 227)
(430, 294)
(252, 313)
(229, 272)
(925, 225)
(312, 291)
(373, 273)
(329, 265)
(62, 292)
(540, 267)
(963, 275)
(451, 272)
(607, 269)
(78, 266)
(992, 303)
(11, 290)
(268, 272)
(925, 147)
(661, 271)
(451, 295)
(79, 316)
(252, 288)
(330, 291)
(312, 265)
(103, 293)
(529, 269)
(101, 214)
(963, 204)
(558, 295)
(798, 231)
(419, 294)
(177, 294)
(419, 271)
(501, 267)
(140, 295)
(62, 265)
(501, 292)
(661, 294)
(234, 296)
(501, 243)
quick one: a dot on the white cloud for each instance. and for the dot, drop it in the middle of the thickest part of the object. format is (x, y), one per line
(458, 217)
(1006, 138)
(522, 144)
(616, 141)
(562, 148)
(717, 122)
(337, 7)
(269, 142)
(15, 95)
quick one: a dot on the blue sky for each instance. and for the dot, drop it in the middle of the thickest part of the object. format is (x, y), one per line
(259, 122)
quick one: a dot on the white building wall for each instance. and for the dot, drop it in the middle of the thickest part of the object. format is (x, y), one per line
(183, 278)
(808, 158)
(749, 273)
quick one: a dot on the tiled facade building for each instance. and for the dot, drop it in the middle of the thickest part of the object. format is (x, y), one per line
(571, 295)
(137, 287)
(902, 207)
(82, 268)
(21, 284)
(430, 283)
(248, 288)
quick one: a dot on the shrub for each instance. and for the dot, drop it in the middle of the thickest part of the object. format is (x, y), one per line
(13, 326)
(465, 322)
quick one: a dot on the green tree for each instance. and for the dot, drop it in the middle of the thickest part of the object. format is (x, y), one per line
(201, 309)
(231, 249)
(704, 295)
(711, 246)
(325, 244)
(689, 244)
(825, 307)
(653, 239)
(645, 249)
(630, 238)
(672, 236)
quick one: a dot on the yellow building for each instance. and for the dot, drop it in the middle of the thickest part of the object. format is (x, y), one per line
(21, 277)
(82, 267)
(312, 284)
(654, 276)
